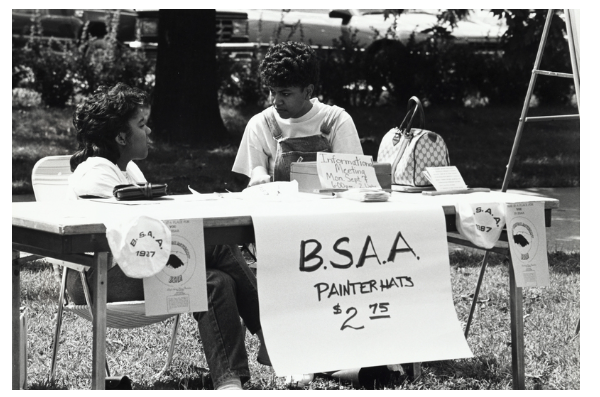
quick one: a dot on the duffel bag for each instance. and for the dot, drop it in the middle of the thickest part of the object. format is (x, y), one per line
(409, 150)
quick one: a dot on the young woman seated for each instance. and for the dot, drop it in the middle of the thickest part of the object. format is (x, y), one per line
(112, 132)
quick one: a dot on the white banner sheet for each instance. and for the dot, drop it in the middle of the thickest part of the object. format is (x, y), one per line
(347, 284)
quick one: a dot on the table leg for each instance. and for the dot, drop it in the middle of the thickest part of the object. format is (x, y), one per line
(99, 319)
(16, 312)
(516, 331)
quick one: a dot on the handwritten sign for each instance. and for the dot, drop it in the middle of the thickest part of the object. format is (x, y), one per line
(527, 240)
(345, 171)
(181, 286)
(352, 287)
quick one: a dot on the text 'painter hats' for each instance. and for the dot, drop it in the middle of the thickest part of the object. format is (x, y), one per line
(140, 245)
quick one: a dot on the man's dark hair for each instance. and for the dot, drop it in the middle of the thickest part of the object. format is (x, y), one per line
(290, 64)
(101, 117)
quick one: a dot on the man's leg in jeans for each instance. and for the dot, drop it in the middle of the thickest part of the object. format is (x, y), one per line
(229, 259)
(221, 330)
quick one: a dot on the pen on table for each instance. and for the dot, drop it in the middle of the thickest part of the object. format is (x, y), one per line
(330, 191)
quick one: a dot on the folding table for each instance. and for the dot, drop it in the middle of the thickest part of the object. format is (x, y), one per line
(66, 230)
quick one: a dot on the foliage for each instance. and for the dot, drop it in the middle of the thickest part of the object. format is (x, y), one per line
(441, 72)
(39, 66)
(25, 98)
(106, 61)
(240, 83)
(444, 73)
(341, 75)
(520, 44)
(435, 70)
(386, 71)
(239, 80)
(60, 69)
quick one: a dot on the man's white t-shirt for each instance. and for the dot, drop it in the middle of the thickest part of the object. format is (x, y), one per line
(258, 147)
(98, 176)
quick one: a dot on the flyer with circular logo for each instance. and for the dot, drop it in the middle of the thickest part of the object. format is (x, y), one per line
(181, 285)
(526, 229)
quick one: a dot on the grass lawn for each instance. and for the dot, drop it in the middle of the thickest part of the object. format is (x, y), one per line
(552, 353)
(479, 141)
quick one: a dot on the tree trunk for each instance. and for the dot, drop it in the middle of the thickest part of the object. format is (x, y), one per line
(185, 105)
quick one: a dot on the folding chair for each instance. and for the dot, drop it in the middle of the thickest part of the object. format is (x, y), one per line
(50, 181)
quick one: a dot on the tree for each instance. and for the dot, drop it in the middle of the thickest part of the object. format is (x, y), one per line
(519, 45)
(185, 107)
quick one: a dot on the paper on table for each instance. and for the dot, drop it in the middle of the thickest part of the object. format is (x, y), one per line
(445, 178)
(204, 196)
(273, 191)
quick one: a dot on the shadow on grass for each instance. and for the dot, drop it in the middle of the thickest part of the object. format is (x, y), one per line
(199, 380)
(558, 261)
(47, 385)
(179, 384)
(564, 263)
(478, 373)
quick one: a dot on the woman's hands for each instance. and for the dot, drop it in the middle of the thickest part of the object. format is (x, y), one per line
(259, 175)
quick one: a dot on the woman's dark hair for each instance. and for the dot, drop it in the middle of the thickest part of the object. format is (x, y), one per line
(290, 64)
(101, 117)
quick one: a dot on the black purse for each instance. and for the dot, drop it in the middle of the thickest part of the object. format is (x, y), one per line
(147, 191)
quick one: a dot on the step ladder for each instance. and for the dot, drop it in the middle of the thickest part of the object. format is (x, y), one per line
(573, 33)
(572, 23)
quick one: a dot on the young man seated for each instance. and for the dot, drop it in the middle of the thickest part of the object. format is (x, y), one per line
(297, 125)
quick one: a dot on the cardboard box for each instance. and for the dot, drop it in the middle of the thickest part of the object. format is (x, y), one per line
(305, 173)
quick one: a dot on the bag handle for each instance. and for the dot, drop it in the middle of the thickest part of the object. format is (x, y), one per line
(406, 126)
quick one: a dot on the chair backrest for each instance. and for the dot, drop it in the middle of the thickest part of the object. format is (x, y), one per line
(50, 178)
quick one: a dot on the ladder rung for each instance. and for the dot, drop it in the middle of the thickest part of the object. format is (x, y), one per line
(548, 118)
(554, 74)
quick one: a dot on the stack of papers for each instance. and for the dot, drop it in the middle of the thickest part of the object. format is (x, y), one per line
(365, 194)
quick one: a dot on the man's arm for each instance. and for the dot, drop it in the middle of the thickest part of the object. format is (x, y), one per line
(259, 175)
(252, 159)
